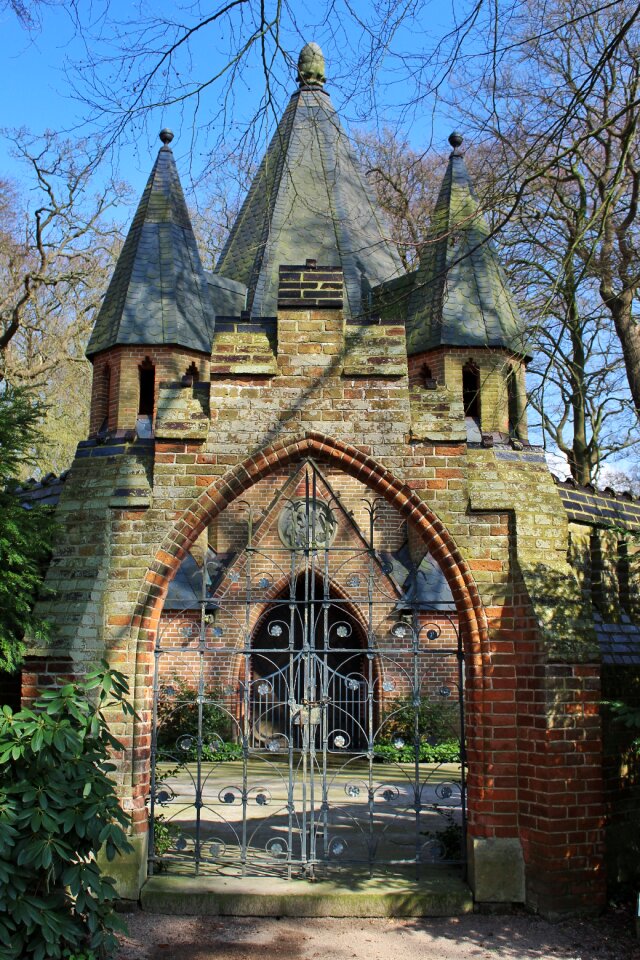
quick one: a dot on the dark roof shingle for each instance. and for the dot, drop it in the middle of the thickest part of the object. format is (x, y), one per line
(158, 293)
(460, 295)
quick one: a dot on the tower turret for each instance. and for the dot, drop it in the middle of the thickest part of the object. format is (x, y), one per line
(463, 327)
(156, 320)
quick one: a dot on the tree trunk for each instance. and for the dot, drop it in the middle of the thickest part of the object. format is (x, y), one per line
(629, 334)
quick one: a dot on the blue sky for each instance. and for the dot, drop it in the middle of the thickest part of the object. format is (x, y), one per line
(39, 66)
(38, 95)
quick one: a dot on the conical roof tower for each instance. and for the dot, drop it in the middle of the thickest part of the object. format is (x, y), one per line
(460, 296)
(309, 200)
(158, 293)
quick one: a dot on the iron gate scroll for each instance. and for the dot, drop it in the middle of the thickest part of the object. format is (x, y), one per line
(340, 741)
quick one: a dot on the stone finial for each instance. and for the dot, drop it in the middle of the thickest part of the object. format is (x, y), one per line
(166, 136)
(455, 139)
(311, 66)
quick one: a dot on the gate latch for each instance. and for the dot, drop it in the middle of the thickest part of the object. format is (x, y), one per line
(306, 715)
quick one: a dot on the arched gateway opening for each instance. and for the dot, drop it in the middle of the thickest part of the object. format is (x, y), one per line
(308, 710)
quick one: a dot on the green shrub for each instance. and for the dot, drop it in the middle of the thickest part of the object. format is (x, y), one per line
(437, 719)
(165, 834)
(450, 837)
(626, 716)
(58, 807)
(446, 752)
(178, 717)
(222, 751)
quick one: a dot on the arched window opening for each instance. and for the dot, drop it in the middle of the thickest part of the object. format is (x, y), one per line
(471, 390)
(513, 411)
(104, 399)
(192, 373)
(147, 380)
(146, 398)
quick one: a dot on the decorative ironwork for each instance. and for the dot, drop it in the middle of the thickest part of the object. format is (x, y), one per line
(305, 523)
(324, 751)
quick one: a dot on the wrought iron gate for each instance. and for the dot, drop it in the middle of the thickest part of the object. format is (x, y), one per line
(341, 739)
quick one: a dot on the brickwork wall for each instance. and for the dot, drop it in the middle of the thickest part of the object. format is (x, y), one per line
(493, 521)
(621, 770)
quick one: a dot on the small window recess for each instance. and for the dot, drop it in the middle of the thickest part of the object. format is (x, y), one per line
(428, 380)
(471, 391)
(191, 374)
(146, 398)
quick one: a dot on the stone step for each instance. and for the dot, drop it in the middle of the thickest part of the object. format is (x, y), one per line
(441, 894)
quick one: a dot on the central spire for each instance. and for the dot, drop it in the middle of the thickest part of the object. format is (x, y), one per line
(309, 200)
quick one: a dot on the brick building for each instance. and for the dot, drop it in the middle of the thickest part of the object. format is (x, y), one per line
(308, 480)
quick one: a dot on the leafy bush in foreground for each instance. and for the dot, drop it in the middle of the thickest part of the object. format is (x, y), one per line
(58, 807)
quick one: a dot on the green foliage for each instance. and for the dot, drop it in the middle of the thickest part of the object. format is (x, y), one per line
(164, 834)
(25, 535)
(438, 731)
(450, 837)
(627, 716)
(178, 717)
(446, 752)
(222, 751)
(437, 719)
(58, 808)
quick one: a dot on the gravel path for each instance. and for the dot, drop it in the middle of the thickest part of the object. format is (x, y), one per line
(475, 937)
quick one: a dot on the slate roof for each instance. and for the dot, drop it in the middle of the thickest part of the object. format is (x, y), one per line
(460, 295)
(228, 298)
(158, 293)
(599, 508)
(309, 200)
(424, 587)
(619, 643)
(45, 492)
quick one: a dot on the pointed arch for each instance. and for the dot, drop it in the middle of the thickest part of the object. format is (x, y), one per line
(224, 491)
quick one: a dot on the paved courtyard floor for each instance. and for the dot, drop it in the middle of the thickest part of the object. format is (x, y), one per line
(474, 937)
(333, 811)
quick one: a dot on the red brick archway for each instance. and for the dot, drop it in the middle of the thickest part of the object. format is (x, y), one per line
(221, 494)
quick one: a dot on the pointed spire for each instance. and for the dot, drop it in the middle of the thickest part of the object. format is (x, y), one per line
(309, 200)
(460, 296)
(158, 293)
